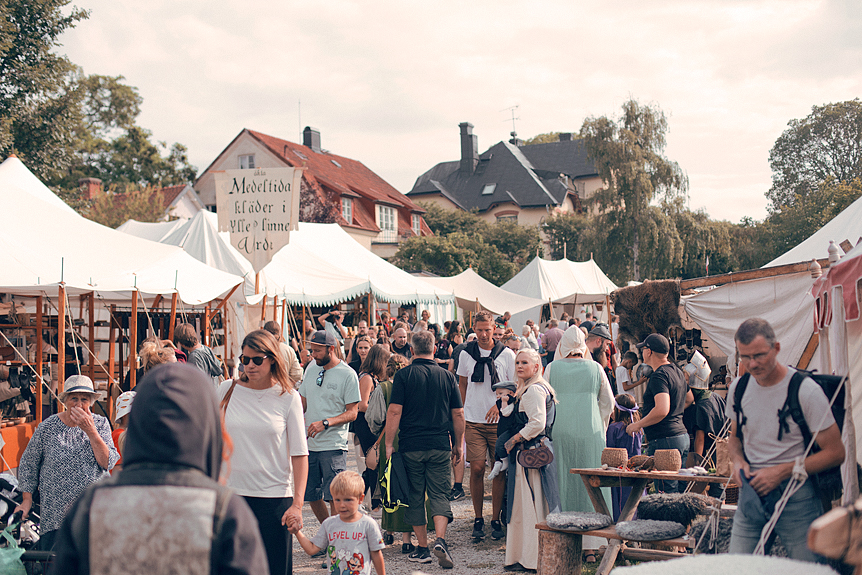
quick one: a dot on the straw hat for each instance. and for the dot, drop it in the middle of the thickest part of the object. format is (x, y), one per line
(79, 384)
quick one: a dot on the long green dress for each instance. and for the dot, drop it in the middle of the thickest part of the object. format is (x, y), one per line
(585, 399)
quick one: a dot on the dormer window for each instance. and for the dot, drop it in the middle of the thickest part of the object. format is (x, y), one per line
(246, 162)
(488, 189)
(417, 224)
(347, 209)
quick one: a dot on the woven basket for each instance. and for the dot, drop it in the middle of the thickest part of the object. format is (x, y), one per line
(731, 494)
(614, 456)
(668, 460)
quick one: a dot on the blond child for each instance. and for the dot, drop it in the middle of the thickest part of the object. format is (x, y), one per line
(352, 540)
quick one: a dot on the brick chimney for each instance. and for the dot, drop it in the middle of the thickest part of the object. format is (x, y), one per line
(469, 148)
(565, 136)
(311, 138)
(90, 187)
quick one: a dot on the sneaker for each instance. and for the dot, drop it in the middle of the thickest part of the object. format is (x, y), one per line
(497, 530)
(457, 494)
(441, 550)
(407, 548)
(320, 553)
(388, 538)
(421, 555)
(479, 528)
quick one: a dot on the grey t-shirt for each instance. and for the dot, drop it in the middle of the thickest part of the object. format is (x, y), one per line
(349, 545)
(339, 387)
(760, 407)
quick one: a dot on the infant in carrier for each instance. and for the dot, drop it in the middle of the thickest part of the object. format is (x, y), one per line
(511, 422)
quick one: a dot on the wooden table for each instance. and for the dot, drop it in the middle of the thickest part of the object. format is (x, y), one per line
(595, 479)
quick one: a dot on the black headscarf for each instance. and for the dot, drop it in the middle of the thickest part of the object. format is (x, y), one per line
(175, 419)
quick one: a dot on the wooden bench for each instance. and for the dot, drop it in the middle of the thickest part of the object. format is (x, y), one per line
(560, 549)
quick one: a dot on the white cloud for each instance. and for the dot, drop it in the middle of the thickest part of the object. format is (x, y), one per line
(388, 82)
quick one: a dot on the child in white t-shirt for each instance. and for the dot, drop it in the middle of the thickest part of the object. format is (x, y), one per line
(352, 540)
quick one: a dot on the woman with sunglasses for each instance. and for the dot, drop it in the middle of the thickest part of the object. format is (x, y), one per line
(263, 416)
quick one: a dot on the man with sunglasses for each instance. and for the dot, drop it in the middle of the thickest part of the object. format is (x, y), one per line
(330, 399)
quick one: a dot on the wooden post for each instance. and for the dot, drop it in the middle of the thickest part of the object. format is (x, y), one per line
(39, 328)
(808, 354)
(302, 329)
(370, 310)
(275, 310)
(207, 325)
(559, 553)
(174, 298)
(111, 361)
(284, 316)
(133, 341)
(92, 335)
(262, 310)
(257, 283)
(61, 342)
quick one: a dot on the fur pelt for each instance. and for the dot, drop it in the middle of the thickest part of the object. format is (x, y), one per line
(571, 520)
(679, 507)
(652, 307)
(649, 530)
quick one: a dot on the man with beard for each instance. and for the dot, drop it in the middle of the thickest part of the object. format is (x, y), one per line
(330, 399)
(400, 345)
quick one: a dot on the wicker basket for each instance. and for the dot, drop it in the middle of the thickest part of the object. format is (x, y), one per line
(668, 460)
(731, 494)
(615, 456)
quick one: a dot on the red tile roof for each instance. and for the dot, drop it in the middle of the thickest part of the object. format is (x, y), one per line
(170, 193)
(328, 172)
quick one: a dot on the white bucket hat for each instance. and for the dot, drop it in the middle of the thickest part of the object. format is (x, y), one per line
(124, 404)
(79, 384)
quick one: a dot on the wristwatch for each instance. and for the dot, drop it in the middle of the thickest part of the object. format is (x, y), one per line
(325, 423)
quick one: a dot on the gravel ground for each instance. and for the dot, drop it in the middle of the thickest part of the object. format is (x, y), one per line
(483, 558)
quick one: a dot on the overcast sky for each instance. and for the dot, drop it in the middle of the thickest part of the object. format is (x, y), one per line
(388, 82)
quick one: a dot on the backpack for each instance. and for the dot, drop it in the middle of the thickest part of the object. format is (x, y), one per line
(828, 482)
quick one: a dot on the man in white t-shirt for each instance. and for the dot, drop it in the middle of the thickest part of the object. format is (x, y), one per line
(764, 450)
(496, 362)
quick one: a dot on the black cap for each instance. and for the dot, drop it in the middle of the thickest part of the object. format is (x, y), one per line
(655, 342)
(323, 337)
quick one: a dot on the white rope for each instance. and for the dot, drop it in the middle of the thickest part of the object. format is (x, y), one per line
(797, 479)
(712, 449)
(71, 328)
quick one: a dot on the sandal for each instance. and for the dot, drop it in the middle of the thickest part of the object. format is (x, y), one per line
(589, 557)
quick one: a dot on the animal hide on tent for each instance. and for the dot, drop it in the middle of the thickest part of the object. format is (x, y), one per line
(652, 307)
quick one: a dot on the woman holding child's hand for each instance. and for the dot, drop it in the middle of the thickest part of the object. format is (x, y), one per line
(263, 416)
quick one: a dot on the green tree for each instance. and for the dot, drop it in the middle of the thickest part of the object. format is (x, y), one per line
(114, 208)
(826, 144)
(444, 222)
(40, 96)
(452, 254)
(565, 232)
(628, 155)
(518, 243)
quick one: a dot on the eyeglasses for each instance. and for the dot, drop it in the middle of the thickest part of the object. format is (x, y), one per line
(257, 360)
(320, 377)
(758, 357)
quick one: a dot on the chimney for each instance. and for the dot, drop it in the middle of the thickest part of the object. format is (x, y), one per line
(565, 136)
(469, 148)
(90, 187)
(311, 138)
(516, 141)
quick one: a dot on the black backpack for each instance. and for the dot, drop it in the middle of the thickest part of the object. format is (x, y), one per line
(828, 482)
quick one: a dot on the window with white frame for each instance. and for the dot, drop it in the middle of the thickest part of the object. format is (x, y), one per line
(489, 189)
(347, 209)
(388, 223)
(417, 224)
(246, 162)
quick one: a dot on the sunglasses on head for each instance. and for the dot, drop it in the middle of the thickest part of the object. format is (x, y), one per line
(257, 360)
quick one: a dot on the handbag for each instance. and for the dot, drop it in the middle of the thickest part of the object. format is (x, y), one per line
(372, 458)
(723, 464)
(535, 457)
(226, 399)
(10, 554)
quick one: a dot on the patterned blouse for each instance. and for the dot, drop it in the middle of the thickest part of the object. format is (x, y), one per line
(59, 461)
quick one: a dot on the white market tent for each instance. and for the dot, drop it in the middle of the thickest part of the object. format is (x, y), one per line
(845, 226)
(46, 243)
(562, 282)
(322, 264)
(470, 289)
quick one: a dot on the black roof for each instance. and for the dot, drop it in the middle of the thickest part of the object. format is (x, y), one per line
(527, 176)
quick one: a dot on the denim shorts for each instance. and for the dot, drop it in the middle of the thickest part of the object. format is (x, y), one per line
(323, 466)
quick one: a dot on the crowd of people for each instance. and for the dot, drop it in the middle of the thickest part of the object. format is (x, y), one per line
(414, 400)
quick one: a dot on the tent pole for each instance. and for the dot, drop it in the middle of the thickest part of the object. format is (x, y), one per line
(39, 334)
(608, 307)
(111, 364)
(257, 283)
(92, 334)
(174, 298)
(207, 324)
(262, 311)
(133, 342)
(284, 316)
(302, 329)
(61, 342)
(275, 308)
(370, 311)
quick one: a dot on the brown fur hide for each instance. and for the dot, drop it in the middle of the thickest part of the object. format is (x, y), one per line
(652, 307)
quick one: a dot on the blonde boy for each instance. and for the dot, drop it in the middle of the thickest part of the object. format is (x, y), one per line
(352, 540)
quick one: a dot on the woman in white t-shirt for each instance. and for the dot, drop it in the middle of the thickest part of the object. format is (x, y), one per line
(269, 466)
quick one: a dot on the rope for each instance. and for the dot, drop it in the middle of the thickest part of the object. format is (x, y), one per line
(147, 312)
(28, 364)
(797, 479)
(712, 448)
(72, 329)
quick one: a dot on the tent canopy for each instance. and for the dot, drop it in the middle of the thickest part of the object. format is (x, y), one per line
(322, 264)
(562, 281)
(44, 244)
(469, 288)
(844, 226)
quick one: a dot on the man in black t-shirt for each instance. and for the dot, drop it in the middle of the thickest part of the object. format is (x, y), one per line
(425, 405)
(665, 398)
